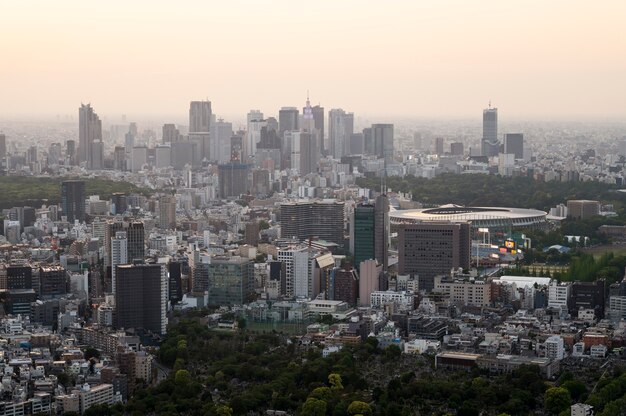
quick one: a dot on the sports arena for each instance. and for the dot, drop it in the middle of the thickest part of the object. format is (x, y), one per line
(493, 218)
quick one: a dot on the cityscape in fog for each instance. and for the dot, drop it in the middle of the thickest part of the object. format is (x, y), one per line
(323, 208)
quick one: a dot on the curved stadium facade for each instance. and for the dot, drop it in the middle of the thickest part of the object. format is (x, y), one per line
(478, 217)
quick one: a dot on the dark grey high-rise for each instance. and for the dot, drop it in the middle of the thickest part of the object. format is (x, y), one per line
(429, 249)
(89, 132)
(287, 119)
(320, 219)
(3, 147)
(382, 135)
(73, 200)
(514, 144)
(200, 117)
(141, 296)
(489, 142)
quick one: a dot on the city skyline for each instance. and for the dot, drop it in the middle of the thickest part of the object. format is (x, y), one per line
(533, 59)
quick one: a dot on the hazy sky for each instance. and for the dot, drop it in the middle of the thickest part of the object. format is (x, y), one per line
(435, 58)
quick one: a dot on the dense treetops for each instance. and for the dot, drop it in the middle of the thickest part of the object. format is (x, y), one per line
(495, 190)
(35, 191)
(225, 373)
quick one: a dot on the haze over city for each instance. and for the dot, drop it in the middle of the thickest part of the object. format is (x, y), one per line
(444, 59)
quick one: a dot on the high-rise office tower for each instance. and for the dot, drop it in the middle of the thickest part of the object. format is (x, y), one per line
(89, 131)
(318, 118)
(97, 155)
(382, 135)
(19, 276)
(141, 297)
(233, 179)
(456, 149)
(167, 212)
(311, 125)
(231, 281)
(369, 147)
(514, 144)
(200, 117)
(119, 254)
(170, 133)
(175, 283)
(221, 132)
(3, 146)
(119, 158)
(135, 236)
(439, 143)
(296, 276)
(287, 119)
(53, 281)
(357, 145)
(70, 152)
(428, 249)
(362, 233)
(118, 203)
(489, 143)
(236, 149)
(255, 123)
(340, 128)
(309, 153)
(200, 126)
(381, 229)
(319, 219)
(73, 200)
(54, 154)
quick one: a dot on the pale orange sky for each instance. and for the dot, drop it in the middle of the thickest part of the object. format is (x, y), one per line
(434, 58)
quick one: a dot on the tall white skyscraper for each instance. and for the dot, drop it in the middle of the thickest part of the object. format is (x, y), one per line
(119, 254)
(253, 133)
(200, 126)
(221, 133)
(340, 128)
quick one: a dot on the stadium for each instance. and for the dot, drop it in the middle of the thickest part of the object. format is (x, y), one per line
(493, 218)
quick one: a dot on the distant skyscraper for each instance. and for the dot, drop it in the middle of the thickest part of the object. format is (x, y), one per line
(340, 128)
(514, 144)
(89, 131)
(382, 134)
(170, 133)
(309, 153)
(141, 297)
(221, 132)
(70, 152)
(369, 148)
(362, 227)
(3, 146)
(200, 126)
(456, 149)
(73, 200)
(439, 143)
(200, 117)
(287, 119)
(255, 123)
(489, 143)
(167, 212)
(318, 118)
(233, 179)
(381, 236)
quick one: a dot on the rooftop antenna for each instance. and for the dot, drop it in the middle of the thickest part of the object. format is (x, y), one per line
(489, 103)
